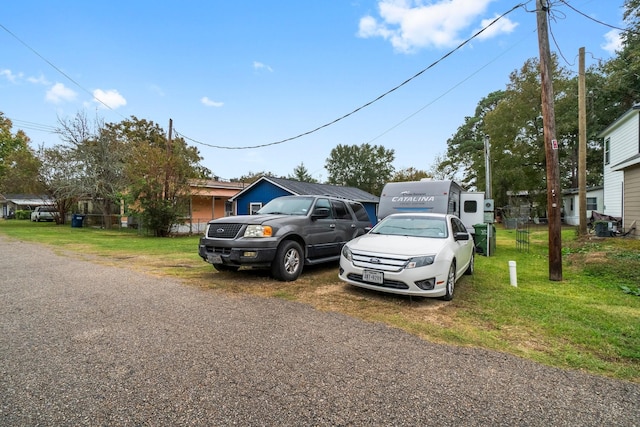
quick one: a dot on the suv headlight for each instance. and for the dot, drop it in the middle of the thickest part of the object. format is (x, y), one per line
(420, 261)
(258, 231)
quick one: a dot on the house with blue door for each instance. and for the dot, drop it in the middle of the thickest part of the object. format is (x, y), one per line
(263, 190)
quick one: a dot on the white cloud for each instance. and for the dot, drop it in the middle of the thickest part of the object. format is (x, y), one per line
(502, 26)
(210, 103)
(111, 98)
(411, 24)
(260, 66)
(613, 42)
(60, 93)
(9, 75)
(41, 80)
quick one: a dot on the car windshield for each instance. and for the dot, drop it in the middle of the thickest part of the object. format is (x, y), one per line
(412, 226)
(287, 206)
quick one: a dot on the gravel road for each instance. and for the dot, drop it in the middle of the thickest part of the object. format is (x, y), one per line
(83, 344)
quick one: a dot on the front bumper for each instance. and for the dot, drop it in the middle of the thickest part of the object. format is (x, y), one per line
(402, 282)
(216, 253)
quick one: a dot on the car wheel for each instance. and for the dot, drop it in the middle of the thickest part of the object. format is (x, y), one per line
(287, 265)
(224, 267)
(451, 282)
(471, 268)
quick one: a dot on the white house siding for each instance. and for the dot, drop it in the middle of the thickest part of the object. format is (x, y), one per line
(623, 144)
(571, 204)
(632, 198)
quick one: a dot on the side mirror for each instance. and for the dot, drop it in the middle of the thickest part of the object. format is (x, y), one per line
(461, 236)
(320, 213)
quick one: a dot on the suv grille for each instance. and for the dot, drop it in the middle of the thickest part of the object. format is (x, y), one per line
(224, 231)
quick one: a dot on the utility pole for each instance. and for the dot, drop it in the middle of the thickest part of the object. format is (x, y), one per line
(554, 196)
(167, 170)
(582, 146)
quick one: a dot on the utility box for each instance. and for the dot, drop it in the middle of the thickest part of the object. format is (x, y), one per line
(484, 242)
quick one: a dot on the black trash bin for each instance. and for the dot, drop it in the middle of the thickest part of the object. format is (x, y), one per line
(77, 220)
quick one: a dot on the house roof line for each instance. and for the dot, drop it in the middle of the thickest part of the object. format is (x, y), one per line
(619, 120)
(311, 188)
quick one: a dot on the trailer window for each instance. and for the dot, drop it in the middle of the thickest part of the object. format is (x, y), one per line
(470, 206)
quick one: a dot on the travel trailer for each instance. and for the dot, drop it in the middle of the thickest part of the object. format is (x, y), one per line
(433, 196)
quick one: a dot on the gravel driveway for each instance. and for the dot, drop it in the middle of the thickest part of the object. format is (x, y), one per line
(85, 344)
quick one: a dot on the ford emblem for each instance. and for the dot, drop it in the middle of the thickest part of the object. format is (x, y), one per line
(220, 230)
(374, 260)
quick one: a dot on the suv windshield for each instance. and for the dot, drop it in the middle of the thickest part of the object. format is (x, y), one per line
(288, 206)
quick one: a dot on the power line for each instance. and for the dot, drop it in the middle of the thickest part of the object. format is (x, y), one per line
(58, 69)
(23, 124)
(446, 92)
(362, 106)
(596, 20)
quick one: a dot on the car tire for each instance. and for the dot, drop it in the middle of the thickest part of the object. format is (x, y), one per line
(451, 283)
(223, 267)
(287, 265)
(472, 264)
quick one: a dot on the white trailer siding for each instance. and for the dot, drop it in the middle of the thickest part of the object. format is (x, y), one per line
(432, 196)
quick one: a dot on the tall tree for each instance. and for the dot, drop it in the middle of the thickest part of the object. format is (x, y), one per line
(301, 173)
(61, 176)
(363, 166)
(102, 156)
(251, 177)
(18, 162)
(409, 174)
(465, 152)
(158, 170)
(622, 83)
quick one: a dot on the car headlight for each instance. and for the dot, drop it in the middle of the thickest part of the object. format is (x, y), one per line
(346, 253)
(258, 231)
(420, 261)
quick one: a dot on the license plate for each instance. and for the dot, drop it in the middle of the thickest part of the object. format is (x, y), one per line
(214, 259)
(373, 276)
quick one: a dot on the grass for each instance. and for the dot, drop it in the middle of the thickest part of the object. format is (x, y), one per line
(587, 321)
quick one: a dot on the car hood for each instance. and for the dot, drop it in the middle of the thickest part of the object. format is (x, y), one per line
(250, 219)
(397, 245)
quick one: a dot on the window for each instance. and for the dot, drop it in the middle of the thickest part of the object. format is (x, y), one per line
(360, 211)
(592, 203)
(340, 210)
(458, 226)
(254, 207)
(470, 206)
(323, 203)
(607, 143)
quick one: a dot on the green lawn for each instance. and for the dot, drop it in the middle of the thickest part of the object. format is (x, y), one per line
(588, 321)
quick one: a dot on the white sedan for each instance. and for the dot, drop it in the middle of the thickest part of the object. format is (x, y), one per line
(421, 254)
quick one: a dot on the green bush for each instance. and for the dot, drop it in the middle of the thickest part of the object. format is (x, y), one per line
(23, 214)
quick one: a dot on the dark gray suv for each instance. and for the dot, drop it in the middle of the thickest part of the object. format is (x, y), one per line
(286, 234)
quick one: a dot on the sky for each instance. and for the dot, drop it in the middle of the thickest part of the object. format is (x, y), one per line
(269, 85)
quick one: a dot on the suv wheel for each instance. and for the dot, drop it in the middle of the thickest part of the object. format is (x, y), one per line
(287, 265)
